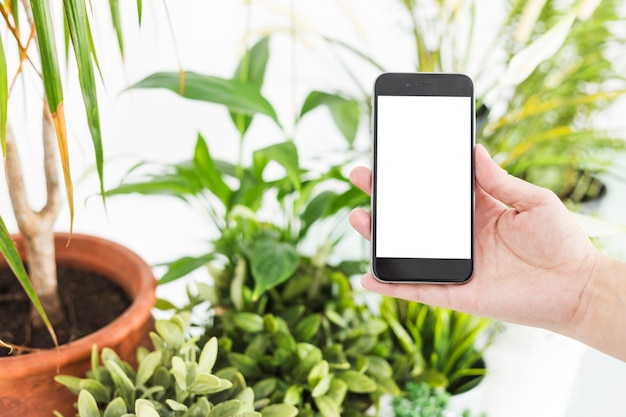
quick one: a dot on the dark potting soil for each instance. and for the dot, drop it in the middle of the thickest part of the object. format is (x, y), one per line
(90, 303)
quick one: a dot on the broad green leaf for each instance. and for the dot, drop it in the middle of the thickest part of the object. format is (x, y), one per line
(226, 409)
(171, 332)
(249, 322)
(327, 406)
(53, 89)
(146, 410)
(279, 410)
(87, 406)
(251, 69)
(96, 388)
(176, 406)
(285, 154)
(147, 367)
(308, 327)
(344, 111)
(208, 384)
(322, 386)
(208, 173)
(272, 263)
(358, 382)
(208, 356)
(70, 382)
(122, 382)
(78, 23)
(338, 390)
(180, 372)
(116, 408)
(238, 97)
(12, 256)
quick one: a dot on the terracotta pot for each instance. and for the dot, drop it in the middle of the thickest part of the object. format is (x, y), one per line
(27, 386)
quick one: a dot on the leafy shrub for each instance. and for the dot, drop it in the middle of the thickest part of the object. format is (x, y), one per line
(174, 380)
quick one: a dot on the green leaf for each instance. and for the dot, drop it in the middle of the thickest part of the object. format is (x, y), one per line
(53, 88)
(122, 382)
(327, 406)
(208, 384)
(96, 388)
(116, 408)
(285, 154)
(13, 259)
(176, 406)
(180, 372)
(238, 97)
(208, 174)
(116, 19)
(251, 69)
(249, 322)
(146, 410)
(183, 266)
(272, 263)
(245, 364)
(279, 410)
(171, 332)
(147, 367)
(208, 356)
(70, 382)
(357, 382)
(4, 98)
(307, 328)
(345, 112)
(87, 406)
(76, 14)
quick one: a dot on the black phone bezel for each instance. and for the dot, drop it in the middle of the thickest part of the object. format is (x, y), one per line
(422, 270)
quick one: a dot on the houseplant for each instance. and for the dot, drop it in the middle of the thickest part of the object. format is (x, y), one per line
(544, 71)
(33, 25)
(176, 379)
(283, 311)
(285, 315)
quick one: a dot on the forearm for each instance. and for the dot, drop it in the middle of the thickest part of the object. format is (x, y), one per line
(603, 326)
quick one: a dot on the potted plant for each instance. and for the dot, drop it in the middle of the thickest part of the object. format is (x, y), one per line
(28, 379)
(543, 73)
(443, 348)
(178, 378)
(284, 315)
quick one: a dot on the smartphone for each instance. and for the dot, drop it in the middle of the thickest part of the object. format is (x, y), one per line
(423, 129)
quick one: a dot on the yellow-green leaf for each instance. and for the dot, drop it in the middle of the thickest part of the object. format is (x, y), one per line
(78, 23)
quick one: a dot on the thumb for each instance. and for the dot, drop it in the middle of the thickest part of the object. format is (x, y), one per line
(506, 188)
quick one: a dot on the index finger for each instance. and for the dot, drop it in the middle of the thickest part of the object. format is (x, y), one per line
(362, 178)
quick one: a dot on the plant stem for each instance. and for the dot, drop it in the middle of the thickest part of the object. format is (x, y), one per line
(37, 227)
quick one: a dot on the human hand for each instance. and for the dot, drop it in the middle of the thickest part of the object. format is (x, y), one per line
(533, 263)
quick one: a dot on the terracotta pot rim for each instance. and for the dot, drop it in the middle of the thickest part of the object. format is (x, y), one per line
(141, 306)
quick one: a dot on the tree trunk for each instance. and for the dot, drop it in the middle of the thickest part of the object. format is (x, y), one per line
(37, 226)
(42, 273)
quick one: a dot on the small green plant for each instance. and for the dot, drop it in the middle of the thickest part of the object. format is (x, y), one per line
(441, 347)
(420, 400)
(177, 379)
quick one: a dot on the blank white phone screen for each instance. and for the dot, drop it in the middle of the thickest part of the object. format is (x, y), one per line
(423, 173)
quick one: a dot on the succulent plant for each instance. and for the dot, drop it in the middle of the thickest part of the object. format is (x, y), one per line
(177, 379)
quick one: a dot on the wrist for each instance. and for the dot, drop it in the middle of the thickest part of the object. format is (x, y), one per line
(602, 314)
